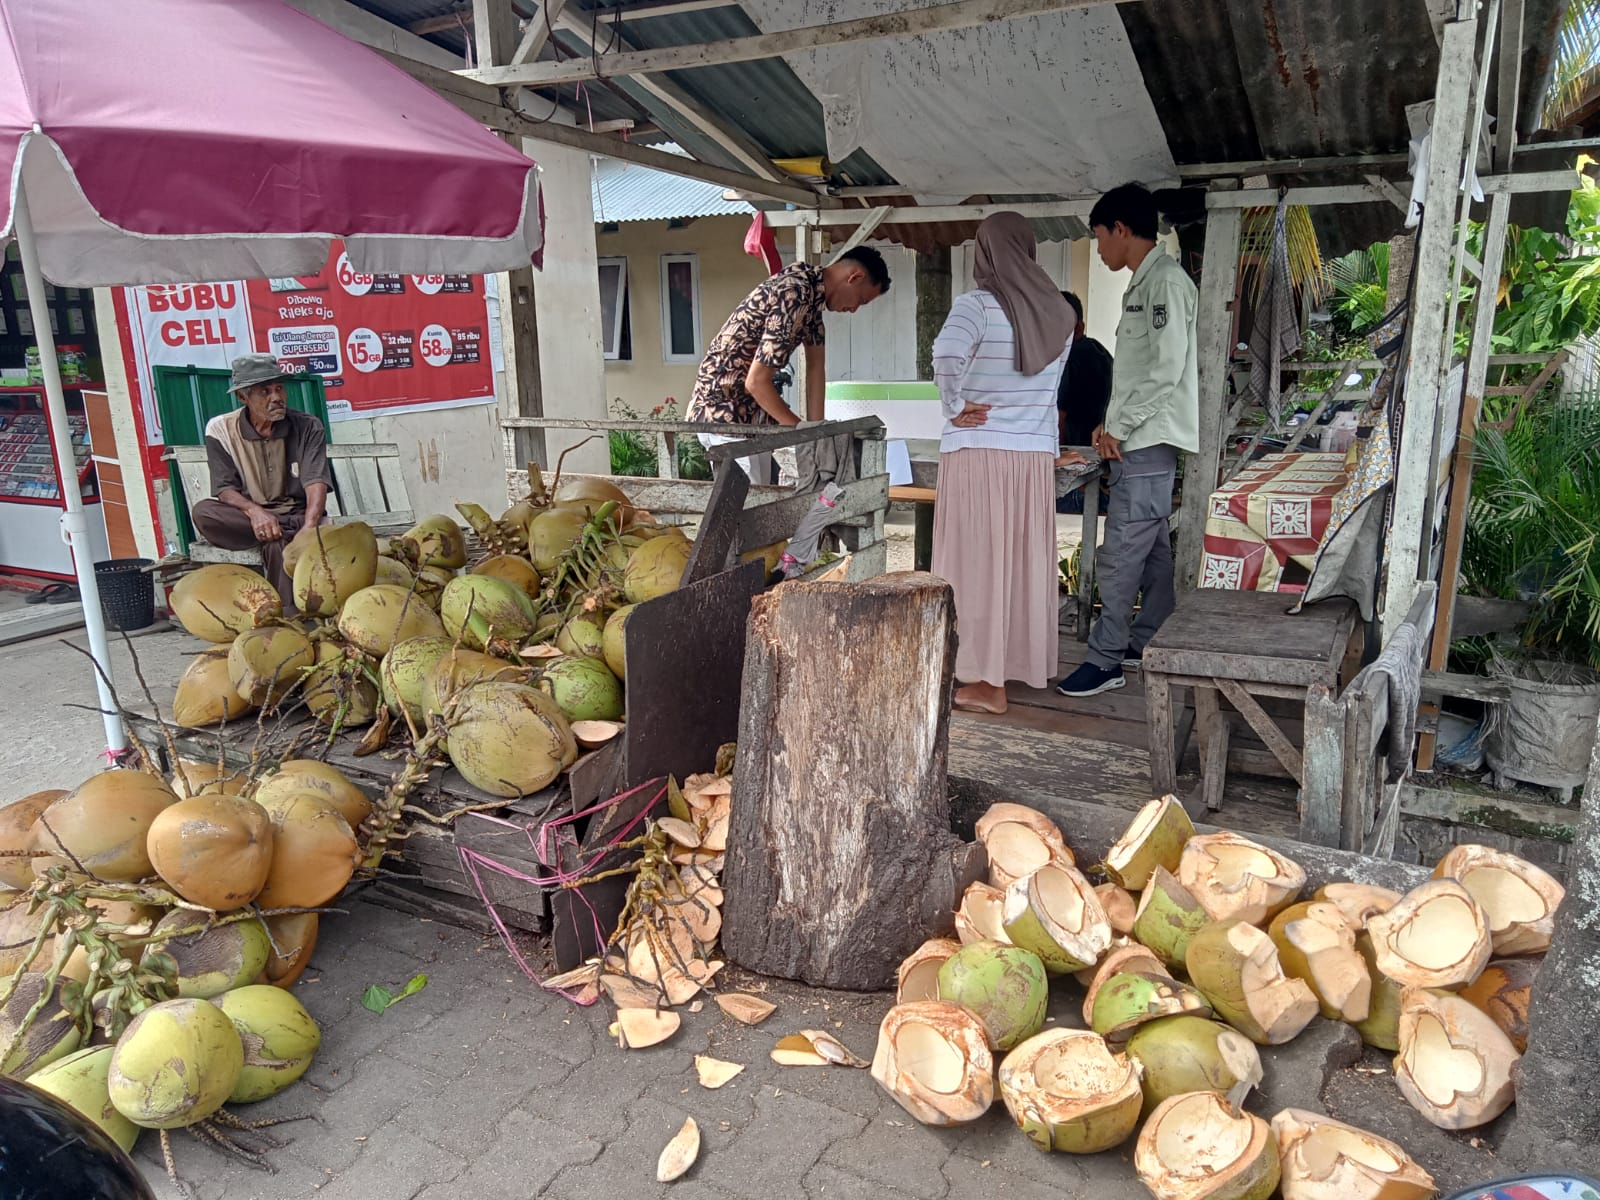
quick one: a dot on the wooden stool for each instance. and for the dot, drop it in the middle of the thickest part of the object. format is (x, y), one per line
(1243, 645)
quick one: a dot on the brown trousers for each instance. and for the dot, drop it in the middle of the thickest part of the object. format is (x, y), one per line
(228, 528)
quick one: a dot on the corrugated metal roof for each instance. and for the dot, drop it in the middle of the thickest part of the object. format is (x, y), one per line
(628, 192)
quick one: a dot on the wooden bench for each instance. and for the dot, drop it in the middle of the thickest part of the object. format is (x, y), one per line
(368, 485)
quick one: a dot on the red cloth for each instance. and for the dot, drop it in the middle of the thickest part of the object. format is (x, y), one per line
(760, 243)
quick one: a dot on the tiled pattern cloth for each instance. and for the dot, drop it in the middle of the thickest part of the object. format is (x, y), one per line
(1274, 510)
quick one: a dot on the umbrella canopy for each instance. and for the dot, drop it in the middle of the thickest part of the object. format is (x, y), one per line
(181, 141)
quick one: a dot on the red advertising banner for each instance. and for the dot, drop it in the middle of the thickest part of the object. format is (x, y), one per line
(380, 342)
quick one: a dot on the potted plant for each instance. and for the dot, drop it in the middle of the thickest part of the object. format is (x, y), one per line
(1533, 534)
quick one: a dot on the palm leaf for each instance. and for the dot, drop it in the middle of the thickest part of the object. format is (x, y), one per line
(1576, 69)
(1306, 269)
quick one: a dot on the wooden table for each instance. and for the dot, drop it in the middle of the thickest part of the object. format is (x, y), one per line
(1241, 645)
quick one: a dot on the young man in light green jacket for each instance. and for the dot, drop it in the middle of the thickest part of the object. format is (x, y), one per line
(1153, 415)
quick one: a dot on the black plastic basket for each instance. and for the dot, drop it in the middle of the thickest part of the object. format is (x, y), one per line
(127, 593)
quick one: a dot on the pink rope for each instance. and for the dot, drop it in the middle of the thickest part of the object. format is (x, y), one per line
(552, 837)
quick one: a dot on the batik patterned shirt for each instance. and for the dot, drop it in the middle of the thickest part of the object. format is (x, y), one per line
(783, 312)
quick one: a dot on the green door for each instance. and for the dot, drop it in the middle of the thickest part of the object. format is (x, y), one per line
(188, 397)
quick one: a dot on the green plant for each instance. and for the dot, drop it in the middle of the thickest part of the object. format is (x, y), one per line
(1359, 282)
(692, 460)
(1577, 63)
(632, 453)
(1533, 526)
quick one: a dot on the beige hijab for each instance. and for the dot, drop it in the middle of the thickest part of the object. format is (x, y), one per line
(1006, 265)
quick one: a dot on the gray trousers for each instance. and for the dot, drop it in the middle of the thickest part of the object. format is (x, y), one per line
(1135, 555)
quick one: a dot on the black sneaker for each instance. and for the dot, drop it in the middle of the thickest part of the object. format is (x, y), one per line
(1133, 658)
(1090, 680)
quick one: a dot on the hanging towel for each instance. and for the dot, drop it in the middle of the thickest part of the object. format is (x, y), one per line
(1276, 334)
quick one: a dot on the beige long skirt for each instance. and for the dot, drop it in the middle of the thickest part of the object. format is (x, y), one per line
(994, 539)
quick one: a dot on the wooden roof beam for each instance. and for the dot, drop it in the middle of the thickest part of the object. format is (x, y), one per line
(957, 14)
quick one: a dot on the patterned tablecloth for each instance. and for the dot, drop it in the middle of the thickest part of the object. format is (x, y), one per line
(1274, 510)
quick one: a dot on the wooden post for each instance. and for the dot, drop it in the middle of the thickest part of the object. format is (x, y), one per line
(1557, 1120)
(841, 859)
(933, 304)
(1219, 274)
(1322, 787)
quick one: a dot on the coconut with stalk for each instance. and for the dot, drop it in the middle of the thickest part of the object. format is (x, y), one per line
(175, 1065)
(508, 739)
(17, 821)
(103, 825)
(206, 695)
(220, 601)
(213, 850)
(266, 664)
(278, 1035)
(81, 1081)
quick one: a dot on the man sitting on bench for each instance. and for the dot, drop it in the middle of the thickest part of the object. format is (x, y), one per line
(269, 471)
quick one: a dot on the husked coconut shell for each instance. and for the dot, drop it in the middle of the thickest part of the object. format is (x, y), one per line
(291, 937)
(335, 562)
(206, 695)
(1155, 838)
(1437, 936)
(193, 778)
(1054, 913)
(654, 569)
(1358, 901)
(213, 850)
(279, 1038)
(405, 669)
(1236, 966)
(613, 643)
(222, 600)
(592, 735)
(980, 916)
(213, 960)
(1519, 898)
(1193, 1054)
(917, 977)
(175, 1064)
(1167, 917)
(1133, 958)
(1005, 987)
(1194, 1147)
(476, 608)
(378, 617)
(326, 782)
(1382, 1025)
(514, 569)
(509, 740)
(50, 1036)
(264, 664)
(17, 820)
(1503, 992)
(589, 492)
(104, 824)
(1455, 1064)
(1130, 999)
(437, 541)
(1120, 907)
(1019, 840)
(1317, 944)
(314, 852)
(1067, 1091)
(1324, 1159)
(81, 1081)
(933, 1058)
(1233, 877)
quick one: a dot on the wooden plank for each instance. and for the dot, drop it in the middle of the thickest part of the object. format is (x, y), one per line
(718, 536)
(763, 524)
(1380, 842)
(1163, 755)
(1214, 740)
(902, 494)
(960, 14)
(1322, 783)
(1266, 728)
(1366, 712)
(1214, 326)
(1464, 687)
(799, 435)
(1088, 550)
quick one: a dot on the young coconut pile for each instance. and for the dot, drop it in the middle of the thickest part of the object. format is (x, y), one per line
(150, 933)
(1196, 950)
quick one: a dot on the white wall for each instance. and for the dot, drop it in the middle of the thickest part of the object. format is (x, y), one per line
(879, 342)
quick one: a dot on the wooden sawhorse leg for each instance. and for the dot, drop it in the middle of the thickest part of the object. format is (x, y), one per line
(1213, 728)
(1163, 738)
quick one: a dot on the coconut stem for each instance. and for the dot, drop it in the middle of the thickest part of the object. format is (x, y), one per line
(184, 1187)
(145, 757)
(384, 821)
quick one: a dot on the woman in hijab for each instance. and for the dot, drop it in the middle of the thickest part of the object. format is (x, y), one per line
(998, 361)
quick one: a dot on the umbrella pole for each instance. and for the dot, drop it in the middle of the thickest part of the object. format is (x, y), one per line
(74, 522)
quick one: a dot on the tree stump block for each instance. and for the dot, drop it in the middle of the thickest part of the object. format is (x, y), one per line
(841, 859)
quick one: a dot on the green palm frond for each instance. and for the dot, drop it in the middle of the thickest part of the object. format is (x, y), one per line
(1576, 70)
(1305, 252)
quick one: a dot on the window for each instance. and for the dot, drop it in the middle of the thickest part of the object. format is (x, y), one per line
(615, 325)
(680, 308)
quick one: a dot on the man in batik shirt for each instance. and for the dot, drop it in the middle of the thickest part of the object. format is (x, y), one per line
(734, 385)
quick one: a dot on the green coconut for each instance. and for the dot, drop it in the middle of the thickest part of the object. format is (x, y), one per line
(1005, 987)
(613, 643)
(206, 695)
(1130, 999)
(176, 1063)
(1167, 917)
(584, 689)
(221, 600)
(1192, 1054)
(458, 669)
(583, 636)
(404, 670)
(1055, 913)
(431, 583)
(81, 1081)
(392, 570)
(476, 608)
(336, 562)
(513, 568)
(279, 1037)
(26, 1046)
(264, 664)
(508, 739)
(1067, 1091)
(437, 541)
(104, 823)
(377, 617)
(216, 959)
(551, 534)
(1381, 1028)
(655, 568)
(1236, 966)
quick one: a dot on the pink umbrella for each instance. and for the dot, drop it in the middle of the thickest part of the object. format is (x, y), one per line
(176, 141)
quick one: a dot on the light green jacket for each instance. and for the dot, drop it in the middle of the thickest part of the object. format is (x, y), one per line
(1155, 383)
